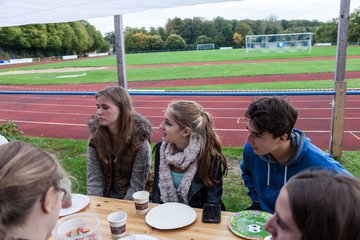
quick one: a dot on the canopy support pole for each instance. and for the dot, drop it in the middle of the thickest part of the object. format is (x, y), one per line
(120, 51)
(338, 108)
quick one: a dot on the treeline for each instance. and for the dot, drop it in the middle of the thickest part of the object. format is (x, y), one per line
(43, 40)
(53, 39)
(186, 33)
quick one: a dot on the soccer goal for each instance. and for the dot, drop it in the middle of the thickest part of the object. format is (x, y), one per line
(205, 46)
(289, 42)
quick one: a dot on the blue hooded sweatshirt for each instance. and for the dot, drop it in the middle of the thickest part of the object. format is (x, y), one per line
(264, 177)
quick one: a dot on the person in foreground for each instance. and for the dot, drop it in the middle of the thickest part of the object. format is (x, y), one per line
(317, 205)
(275, 151)
(30, 192)
(189, 164)
(119, 151)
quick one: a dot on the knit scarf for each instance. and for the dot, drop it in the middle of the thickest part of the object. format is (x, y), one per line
(185, 160)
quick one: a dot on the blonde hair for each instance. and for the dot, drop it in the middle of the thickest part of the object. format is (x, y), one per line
(26, 172)
(191, 114)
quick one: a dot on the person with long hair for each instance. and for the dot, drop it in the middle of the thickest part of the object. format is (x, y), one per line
(119, 151)
(189, 163)
(315, 205)
(30, 191)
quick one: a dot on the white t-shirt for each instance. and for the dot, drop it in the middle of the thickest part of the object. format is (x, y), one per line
(3, 140)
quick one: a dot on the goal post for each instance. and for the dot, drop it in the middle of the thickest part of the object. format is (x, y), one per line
(205, 46)
(287, 42)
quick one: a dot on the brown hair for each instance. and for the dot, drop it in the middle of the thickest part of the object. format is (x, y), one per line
(191, 114)
(26, 173)
(103, 140)
(275, 115)
(325, 205)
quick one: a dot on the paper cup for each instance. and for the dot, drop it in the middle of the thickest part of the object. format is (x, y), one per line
(117, 222)
(141, 200)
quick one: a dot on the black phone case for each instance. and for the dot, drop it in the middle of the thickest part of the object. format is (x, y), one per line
(211, 213)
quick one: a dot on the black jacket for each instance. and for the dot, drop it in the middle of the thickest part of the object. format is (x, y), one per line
(199, 193)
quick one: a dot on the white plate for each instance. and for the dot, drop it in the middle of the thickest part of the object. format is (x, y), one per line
(79, 201)
(140, 237)
(170, 216)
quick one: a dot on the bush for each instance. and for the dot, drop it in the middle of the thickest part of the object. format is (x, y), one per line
(175, 42)
(10, 130)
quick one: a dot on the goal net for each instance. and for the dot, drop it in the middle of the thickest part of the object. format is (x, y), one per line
(289, 42)
(205, 46)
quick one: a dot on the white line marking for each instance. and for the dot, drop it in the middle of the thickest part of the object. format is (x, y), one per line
(358, 138)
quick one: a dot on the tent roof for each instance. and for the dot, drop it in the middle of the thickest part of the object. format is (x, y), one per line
(21, 12)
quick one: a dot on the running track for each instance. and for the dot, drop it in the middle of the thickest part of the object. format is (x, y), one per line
(66, 116)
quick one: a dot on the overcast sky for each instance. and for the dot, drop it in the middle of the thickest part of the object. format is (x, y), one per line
(322, 10)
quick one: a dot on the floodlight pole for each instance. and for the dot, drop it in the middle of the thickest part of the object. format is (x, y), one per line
(120, 50)
(338, 108)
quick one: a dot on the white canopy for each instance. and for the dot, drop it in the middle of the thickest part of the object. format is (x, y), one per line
(21, 12)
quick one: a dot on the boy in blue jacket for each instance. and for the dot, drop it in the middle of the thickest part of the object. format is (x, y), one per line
(275, 151)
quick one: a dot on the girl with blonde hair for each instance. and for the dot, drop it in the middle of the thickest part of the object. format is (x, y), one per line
(189, 164)
(30, 192)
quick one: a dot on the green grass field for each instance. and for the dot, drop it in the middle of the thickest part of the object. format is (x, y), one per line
(195, 56)
(191, 72)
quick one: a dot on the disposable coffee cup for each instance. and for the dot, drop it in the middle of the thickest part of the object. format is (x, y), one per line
(65, 183)
(141, 200)
(117, 222)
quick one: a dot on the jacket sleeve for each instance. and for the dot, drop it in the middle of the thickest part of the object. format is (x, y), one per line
(94, 173)
(140, 170)
(248, 178)
(156, 190)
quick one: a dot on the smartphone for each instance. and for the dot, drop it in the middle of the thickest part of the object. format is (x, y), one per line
(211, 213)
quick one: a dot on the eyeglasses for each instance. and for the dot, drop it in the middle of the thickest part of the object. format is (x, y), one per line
(58, 189)
(63, 192)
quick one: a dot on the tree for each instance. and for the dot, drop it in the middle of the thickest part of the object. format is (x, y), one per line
(238, 39)
(95, 38)
(203, 39)
(223, 35)
(82, 38)
(162, 33)
(136, 41)
(243, 29)
(327, 32)
(354, 26)
(271, 25)
(174, 26)
(154, 42)
(175, 41)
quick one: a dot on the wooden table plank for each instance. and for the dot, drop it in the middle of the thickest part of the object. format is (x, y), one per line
(102, 207)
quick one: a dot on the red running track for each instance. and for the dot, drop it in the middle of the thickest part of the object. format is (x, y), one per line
(66, 116)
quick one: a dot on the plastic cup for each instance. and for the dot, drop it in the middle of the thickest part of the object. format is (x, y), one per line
(66, 184)
(117, 222)
(141, 200)
(77, 226)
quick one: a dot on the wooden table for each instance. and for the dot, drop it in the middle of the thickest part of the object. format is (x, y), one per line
(102, 207)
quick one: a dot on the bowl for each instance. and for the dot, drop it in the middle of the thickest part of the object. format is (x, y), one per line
(80, 226)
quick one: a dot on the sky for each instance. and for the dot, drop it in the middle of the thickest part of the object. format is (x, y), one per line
(322, 10)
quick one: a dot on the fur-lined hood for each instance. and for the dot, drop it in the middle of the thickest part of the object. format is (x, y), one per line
(143, 127)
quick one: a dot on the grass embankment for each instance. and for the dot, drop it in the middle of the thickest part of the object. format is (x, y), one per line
(194, 56)
(72, 154)
(183, 72)
(191, 72)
